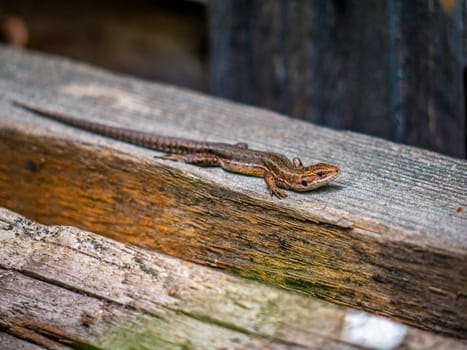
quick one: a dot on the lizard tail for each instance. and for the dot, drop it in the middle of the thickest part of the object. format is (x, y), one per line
(139, 138)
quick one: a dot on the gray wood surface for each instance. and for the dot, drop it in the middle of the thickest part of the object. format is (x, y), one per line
(387, 236)
(385, 186)
(65, 288)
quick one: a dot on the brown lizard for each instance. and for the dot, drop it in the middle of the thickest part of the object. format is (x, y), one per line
(276, 169)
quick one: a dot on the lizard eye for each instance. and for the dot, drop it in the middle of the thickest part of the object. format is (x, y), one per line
(321, 174)
(304, 183)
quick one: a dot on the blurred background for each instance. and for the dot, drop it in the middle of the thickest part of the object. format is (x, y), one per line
(395, 69)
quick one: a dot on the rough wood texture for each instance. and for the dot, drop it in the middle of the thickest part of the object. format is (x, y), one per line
(60, 286)
(389, 236)
(391, 68)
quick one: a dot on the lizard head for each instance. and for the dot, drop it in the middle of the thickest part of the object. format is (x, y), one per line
(310, 177)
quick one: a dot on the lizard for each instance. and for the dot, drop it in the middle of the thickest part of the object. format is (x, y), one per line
(276, 169)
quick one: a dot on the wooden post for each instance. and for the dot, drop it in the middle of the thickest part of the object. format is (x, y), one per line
(391, 68)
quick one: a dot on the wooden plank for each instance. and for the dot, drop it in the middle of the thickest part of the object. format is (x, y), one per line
(392, 68)
(389, 236)
(64, 287)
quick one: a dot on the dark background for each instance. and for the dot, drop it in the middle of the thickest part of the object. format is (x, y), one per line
(390, 68)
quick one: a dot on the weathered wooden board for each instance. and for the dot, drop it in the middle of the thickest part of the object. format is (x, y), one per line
(60, 286)
(389, 236)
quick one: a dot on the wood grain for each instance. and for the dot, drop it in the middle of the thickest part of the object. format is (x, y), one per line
(387, 237)
(61, 287)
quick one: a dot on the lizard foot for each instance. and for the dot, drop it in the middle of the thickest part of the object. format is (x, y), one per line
(272, 186)
(278, 193)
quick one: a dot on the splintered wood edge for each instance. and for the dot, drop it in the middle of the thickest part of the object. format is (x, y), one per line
(86, 290)
(420, 285)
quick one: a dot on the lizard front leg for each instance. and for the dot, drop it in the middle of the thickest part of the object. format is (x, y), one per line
(272, 186)
(253, 170)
